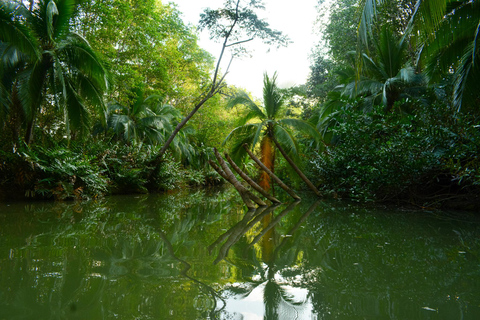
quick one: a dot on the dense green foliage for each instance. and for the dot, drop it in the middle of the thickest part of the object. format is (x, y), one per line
(402, 123)
(93, 92)
(414, 158)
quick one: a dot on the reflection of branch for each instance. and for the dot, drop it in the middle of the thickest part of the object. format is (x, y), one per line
(274, 222)
(185, 270)
(295, 227)
(238, 230)
(250, 213)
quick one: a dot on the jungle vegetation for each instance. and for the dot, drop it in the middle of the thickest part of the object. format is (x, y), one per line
(101, 97)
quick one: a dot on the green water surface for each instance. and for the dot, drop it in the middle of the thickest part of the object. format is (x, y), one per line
(201, 255)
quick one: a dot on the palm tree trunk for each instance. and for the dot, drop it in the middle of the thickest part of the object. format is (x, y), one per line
(271, 174)
(273, 222)
(296, 168)
(267, 159)
(29, 133)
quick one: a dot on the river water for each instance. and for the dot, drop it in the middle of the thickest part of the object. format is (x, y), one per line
(201, 255)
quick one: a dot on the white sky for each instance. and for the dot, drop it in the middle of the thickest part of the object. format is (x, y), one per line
(293, 18)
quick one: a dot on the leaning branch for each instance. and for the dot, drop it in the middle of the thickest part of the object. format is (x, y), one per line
(214, 88)
(296, 168)
(248, 202)
(271, 174)
(238, 42)
(250, 181)
(231, 178)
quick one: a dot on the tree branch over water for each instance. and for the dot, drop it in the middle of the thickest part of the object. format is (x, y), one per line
(228, 25)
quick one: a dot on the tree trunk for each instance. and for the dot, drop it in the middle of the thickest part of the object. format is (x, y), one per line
(250, 181)
(297, 169)
(29, 133)
(271, 174)
(246, 199)
(214, 88)
(266, 152)
(231, 178)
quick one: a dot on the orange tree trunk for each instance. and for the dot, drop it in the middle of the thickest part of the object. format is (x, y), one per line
(267, 158)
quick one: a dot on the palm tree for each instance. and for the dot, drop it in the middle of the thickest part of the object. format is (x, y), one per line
(148, 120)
(268, 127)
(447, 35)
(454, 44)
(388, 77)
(144, 120)
(59, 67)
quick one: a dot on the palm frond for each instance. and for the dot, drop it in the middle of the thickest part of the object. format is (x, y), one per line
(288, 142)
(428, 14)
(16, 33)
(51, 12)
(65, 10)
(238, 137)
(367, 18)
(11, 58)
(82, 58)
(31, 88)
(476, 39)
(118, 123)
(301, 126)
(76, 116)
(463, 77)
(371, 68)
(253, 110)
(92, 93)
(391, 52)
(272, 97)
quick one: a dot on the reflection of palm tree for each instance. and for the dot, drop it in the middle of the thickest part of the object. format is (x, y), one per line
(276, 298)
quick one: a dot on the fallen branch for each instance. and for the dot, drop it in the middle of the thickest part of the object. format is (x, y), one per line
(250, 181)
(235, 182)
(241, 190)
(271, 174)
(296, 168)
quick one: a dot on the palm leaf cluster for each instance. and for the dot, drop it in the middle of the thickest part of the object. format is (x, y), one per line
(148, 120)
(387, 76)
(446, 33)
(45, 64)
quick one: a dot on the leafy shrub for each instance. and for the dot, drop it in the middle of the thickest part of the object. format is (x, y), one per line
(398, 156)
(168, 175)
(63, 173)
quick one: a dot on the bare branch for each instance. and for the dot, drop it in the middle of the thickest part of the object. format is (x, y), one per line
(238, 42)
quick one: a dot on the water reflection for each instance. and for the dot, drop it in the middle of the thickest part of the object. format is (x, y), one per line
(270, 296)
(203, 256)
